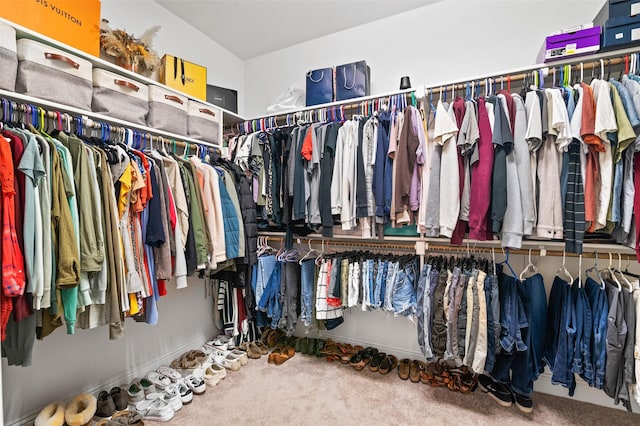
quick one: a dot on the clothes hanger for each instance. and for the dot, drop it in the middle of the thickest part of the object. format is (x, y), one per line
(563, 268)
(506, 262)
(307, 254)
(612, 274)
(619, 272)
(320, 257)
(595, 269)
(580, 271)
(530, 266)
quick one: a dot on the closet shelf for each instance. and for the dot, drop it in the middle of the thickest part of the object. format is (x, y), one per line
(99, 117)
(515, 75)
(228, 117)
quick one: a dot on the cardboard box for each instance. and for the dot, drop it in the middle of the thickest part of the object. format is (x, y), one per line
(184, 76)
(574, 43)
(624, 8)
(72, 22)
(621, 31)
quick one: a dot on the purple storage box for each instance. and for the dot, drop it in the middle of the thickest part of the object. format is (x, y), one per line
(576, 43)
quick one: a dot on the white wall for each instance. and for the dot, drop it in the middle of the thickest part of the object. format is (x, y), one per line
(180, 39)
(65, 365)
(448, 40)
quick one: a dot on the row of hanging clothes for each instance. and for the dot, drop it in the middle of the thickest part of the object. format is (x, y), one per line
(315, 287)
(97, 221)
(592, 331)
(547, 162)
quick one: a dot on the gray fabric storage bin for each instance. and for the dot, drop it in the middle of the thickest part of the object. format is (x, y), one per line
(119, 97)
(8, 58)
(167, 111)
(48, 73)
(203, 122)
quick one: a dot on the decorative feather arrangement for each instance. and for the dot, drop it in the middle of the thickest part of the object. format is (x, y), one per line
(130, 52)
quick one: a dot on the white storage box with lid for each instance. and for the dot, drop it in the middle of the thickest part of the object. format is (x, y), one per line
(167, 111)
(119, 97)
(203, 122)
(8, 58)
(53, 74)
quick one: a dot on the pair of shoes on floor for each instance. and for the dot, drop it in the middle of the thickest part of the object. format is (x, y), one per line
(78, 412)
(272, 337)
(221, 342)
(504, 395)
(213, 374)
(189, 361)
(281, 354)
(171, 394)
(309, 346)
(110, 402)
(254, 350)
(411, 369)
(138, 388)
(367, 357)
(382, 363)
(231, 360)
(123, 418)
(157, 410)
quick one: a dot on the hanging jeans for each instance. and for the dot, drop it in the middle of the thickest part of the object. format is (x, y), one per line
(307, 272)
(462, 314)
(599, 312)
(537, 314)
(423, 312)
(452, 323)
(270, 300)
(493, 320)
(289, 291)
(262, 272)
(404, 296)
(380, 286)
(439, 325)
(516, 368)
(581, 363)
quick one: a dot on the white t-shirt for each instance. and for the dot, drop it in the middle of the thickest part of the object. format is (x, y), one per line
(445, 135)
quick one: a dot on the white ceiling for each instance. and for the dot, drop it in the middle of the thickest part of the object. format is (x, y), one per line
(250, 28)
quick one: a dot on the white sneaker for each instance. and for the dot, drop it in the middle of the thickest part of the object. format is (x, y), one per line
(217, 356)
(135, 393)
(157, 410)
(218, 368)
(172, 396)
(159, 380)
(173, 374)
(232, 362)
(242, 355)
(211, 377)
(196, 384)
(186, 394)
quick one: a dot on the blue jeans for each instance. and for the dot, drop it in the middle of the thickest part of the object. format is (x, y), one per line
(390, 283)
(600, 311)
(581, 363)
(512, 320)
(518, 368)
(270, 300)
(560, 316)
(262, 273)
(379, 286)
(537, 321)
(307, 273)
(404, 295)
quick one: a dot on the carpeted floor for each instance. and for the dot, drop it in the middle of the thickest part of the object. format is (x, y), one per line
(309, 391)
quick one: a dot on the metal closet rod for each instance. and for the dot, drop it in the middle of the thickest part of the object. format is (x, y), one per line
(62, 120)
(412, 245)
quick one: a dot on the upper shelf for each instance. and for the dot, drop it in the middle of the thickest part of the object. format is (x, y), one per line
(22, 32)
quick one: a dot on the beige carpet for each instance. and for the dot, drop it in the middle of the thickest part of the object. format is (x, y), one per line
(309, 391)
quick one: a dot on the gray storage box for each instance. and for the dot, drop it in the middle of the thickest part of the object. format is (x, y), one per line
(203, 122)
(119, 97)
(167, 111)
(8, 58)
(53, 74)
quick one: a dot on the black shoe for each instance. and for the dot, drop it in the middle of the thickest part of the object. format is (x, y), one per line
(105, 406)
(500, 393)
(119, 398)
(524, 403)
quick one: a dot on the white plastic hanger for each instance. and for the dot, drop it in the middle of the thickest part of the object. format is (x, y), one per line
(580, 271)
(620, 273)
(321, 255)
(611, 272)
(308, 254)
(595, 269)
(530, 266)
(563, 268)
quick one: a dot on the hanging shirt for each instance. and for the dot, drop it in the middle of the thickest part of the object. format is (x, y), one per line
(444, 135)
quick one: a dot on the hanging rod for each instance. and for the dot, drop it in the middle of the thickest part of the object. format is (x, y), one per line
(96, 121)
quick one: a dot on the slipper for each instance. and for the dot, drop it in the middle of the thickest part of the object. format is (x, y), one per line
(376, 360)
(51, 415)
(264, 350)
(127, 417)
(359, 361)
(387, 365)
